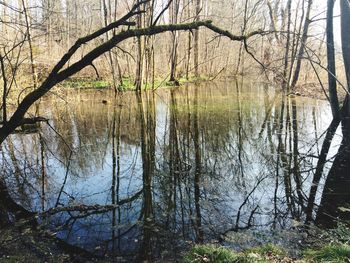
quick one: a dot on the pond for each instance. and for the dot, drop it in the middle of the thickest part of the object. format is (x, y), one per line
(144, 176)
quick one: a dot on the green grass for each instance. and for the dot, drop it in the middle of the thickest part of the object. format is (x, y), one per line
(211, 253)
(86, 84)
(330, 254)
(268, 250)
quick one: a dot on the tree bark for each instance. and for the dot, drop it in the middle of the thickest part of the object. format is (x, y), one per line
(196, 41)
(302, 45)
(332, 82)
(287, 45)
(345, 39)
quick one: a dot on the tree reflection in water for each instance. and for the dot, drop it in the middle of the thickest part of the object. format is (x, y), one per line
(182, 165)
(335, 201)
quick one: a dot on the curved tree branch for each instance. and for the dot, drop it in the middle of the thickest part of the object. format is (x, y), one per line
(58, 74)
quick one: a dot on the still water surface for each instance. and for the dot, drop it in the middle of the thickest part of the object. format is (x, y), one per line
(168, 168)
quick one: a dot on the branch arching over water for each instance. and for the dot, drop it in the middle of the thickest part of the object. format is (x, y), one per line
(58, 74)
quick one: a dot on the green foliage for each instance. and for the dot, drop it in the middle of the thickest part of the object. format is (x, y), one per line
(330, 254)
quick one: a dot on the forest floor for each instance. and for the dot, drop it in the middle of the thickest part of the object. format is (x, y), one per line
(311, 91)
(23, 243)
(316, 91)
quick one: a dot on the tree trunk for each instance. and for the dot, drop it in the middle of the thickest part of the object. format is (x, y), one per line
(285, 83)
(302, 45)
(345, 39)
(139, 57)
(174, 9)
(196, 41)
(4, 91)
(332, 83)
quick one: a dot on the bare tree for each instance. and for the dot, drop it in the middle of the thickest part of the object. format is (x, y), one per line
(196, 40)
(302, 45)
(61, 71)
(332, 82)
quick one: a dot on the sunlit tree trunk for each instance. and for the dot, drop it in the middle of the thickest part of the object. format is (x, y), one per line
(189, 43)
(174, 10)
(332, 84)
(286, 69)
(302, 45)
(29, 38)
(110, 55)
(196, 40)
(4, 86)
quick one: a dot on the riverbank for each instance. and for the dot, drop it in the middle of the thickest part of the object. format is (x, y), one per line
(311, 90)
(127, 84)
(28, 245)
(317, 91)
(317, 245)
(266, 254)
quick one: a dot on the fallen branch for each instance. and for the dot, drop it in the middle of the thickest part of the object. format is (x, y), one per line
(79, 208)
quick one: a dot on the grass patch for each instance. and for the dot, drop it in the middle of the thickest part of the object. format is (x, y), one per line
(128, 83)
(268, 250)
(330, 254)
(86, 84)
(160, 82)
(215, 254)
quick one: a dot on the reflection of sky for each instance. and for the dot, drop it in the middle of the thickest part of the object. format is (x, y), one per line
(223, 188)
